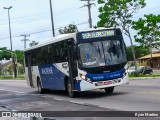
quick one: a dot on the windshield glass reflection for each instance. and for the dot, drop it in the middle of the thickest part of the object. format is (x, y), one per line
(101, 53)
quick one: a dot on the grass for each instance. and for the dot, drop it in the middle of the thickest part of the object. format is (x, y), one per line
(22, 77)
(19, 77)
(141, 75)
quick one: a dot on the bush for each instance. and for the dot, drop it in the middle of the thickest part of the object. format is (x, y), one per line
(141, 75)
(11, 77)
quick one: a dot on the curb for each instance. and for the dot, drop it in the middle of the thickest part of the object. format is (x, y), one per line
(142, 78)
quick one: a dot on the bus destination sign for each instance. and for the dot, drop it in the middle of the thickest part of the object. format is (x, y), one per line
(97, 34)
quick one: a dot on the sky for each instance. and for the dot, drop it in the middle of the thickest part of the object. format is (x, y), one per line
(32, 17)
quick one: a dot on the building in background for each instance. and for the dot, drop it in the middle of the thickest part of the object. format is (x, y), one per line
(152, 59)
(6, 67)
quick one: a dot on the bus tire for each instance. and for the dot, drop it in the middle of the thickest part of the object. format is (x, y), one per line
(70, 91)
(39, 86)
(109, 90)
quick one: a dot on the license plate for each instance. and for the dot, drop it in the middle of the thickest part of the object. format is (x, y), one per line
(104, 83)
(107, 82)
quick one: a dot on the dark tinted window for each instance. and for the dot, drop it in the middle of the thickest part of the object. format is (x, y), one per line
(53, 53)
(43, 55)
(63, 52)
(50, 54)
(60, 52)
(26, 59)
(34, 58)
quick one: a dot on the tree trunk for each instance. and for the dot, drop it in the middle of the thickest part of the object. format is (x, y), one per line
(14, 69)
(151, 62)
(133, 52)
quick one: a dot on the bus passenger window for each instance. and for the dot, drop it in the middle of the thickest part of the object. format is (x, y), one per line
(50, 54)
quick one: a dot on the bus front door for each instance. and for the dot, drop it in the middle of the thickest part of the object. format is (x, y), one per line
(72, 62)
(30, 70)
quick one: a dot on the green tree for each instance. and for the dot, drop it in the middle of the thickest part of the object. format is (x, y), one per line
(139, 50)
(119, 13)
(0, 69)
(20, 70)
(20, 59)
(4, 53)
(148, 30)
(20, 56)
(10, 69)
(33, 43)
(71, 28)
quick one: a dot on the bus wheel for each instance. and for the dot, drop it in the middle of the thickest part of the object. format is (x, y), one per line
(109, 90)
(71, 93)
(39, 86)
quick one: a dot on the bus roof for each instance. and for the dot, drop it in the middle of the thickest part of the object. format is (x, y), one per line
(64, 36)
(53, 40)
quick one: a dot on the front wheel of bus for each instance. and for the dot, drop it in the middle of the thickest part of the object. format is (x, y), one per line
(39, 86)
(71, 93)
(109, 90)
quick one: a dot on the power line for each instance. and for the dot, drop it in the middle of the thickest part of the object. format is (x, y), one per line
(44, 14)
(14, 36)
(56, 12)
(61, 11)
(36, 18)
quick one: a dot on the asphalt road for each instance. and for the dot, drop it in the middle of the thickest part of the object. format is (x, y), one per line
(139, 95)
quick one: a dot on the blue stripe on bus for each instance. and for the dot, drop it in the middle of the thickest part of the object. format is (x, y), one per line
(77, 85)
(106, 76)
(51, 77)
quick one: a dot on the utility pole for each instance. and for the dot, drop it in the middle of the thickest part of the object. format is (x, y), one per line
(25, 40)
(10, 36)
(89, 11)
(52, 18)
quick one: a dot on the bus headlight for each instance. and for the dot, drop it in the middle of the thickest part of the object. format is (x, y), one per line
(84, 78)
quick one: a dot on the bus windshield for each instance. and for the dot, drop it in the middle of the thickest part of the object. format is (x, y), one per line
(101, 53)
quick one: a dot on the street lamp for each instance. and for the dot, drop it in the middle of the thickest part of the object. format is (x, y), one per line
(9, 25)
(10, 35)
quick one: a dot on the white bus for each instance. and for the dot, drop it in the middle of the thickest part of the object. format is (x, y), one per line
(75, 62)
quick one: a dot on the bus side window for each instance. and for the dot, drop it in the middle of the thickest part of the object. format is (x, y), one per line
(26, 59)
(54, 52)
(50, 54)
(63, 52)
(58, 46)
(33, 58)
(59, 52)
(65, 55)
(39, 61)
(43, 55)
